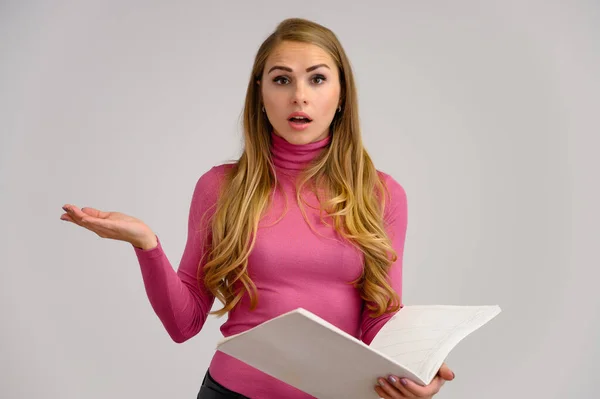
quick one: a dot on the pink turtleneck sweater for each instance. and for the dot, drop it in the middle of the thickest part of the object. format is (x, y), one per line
(291, 266)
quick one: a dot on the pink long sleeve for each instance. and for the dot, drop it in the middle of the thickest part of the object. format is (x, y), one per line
(286, 274)
(178, 301)
(396, 220)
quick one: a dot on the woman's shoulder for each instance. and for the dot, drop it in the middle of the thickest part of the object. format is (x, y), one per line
(394, 187)
(397, 204)
(215, 175)
(209, 183)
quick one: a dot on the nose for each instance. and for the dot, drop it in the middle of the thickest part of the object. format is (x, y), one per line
(299, 95)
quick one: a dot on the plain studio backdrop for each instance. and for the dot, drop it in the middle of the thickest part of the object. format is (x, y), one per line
(486, 113)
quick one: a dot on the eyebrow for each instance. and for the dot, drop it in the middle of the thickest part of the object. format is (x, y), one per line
(284, 68)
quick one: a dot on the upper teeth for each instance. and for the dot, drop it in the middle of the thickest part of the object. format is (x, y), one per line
(298, 117)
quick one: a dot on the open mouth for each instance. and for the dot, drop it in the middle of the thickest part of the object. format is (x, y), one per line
(299, 119)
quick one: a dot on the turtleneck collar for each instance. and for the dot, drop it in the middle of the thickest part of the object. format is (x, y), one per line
(293, 156)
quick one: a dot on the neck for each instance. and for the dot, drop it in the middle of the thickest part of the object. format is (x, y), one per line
(295, 157)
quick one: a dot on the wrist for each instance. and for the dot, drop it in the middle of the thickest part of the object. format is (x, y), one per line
(147, 243)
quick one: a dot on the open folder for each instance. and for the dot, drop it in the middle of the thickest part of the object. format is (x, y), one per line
(313, 355)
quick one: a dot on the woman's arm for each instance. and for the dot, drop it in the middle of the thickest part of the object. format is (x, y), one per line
(181, 304)
(395, 218)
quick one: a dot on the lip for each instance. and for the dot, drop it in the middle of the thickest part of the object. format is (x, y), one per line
(299, 126)
(303, 114)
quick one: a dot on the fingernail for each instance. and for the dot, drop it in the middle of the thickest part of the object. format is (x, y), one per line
(453, 375)
(392, 379)
(381, 382)
(403, 381)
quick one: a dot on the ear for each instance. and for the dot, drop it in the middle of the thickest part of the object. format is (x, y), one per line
(258, 82)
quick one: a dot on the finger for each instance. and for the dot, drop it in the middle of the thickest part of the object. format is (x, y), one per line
(66, 218)
(399, 383)
(104, 224)
(427, 390)
(389, 389)
(446, 373)
(87, 219)
(102, 227)
(74, 213)
(95, 212)
(381, 393)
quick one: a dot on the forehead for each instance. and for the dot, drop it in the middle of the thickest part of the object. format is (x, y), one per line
(301, 55)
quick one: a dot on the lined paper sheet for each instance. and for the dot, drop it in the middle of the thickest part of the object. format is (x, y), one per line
(421, 337)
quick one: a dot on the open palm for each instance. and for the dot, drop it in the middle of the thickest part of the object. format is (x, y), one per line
(112, 225)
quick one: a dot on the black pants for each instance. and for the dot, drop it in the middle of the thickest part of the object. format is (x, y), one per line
(211, 389)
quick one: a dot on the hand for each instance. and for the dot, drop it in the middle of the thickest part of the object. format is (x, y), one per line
(113, 225)
(395, 388)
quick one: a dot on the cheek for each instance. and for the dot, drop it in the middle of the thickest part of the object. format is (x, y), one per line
(332, 96)
(273, 98)
(329, 102)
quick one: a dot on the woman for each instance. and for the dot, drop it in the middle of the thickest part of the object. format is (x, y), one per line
(302, 219)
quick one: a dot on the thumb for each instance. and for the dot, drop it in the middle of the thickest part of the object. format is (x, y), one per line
(94, 212)
(446, 373)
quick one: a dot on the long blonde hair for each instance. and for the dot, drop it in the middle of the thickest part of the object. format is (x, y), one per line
(354, 191)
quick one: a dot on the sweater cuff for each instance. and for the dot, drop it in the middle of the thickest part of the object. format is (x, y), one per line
(152, 253)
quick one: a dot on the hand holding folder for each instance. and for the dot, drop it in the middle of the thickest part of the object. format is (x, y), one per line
(320, 359)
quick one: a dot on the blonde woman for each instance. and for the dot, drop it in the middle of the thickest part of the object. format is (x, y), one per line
(301, 219)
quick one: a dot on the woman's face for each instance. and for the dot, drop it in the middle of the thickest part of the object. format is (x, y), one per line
(300, 77)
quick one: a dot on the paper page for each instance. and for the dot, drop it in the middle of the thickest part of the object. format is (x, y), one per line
(421, 337)
(312, 355)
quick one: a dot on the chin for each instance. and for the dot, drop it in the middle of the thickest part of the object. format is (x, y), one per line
(300, 137)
